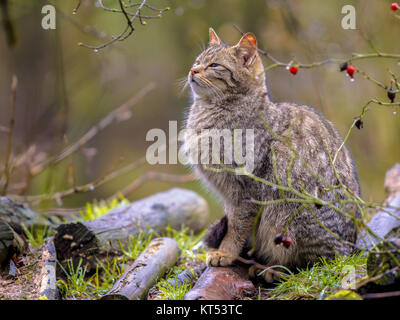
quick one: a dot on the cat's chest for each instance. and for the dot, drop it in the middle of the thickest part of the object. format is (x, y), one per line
(208, 117)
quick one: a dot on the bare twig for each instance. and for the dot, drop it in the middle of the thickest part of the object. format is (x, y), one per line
(83, 28)
(93, 131)
(130, 17)
(7, 171)
(77, 7)
(354, 57)
(377, 277)
(381, 295)
(151, 175)
(88, 187)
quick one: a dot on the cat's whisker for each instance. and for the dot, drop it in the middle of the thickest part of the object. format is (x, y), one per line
(210, 86)
(182, 84)
(186, 85)
(214, 88)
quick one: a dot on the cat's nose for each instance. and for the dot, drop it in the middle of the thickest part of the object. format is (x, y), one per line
(194, 70)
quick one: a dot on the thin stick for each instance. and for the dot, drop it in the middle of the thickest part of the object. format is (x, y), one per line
(93, 131)
(88, 187)
(381, 295)
(354, 56)
(151, 175)
(7, 171)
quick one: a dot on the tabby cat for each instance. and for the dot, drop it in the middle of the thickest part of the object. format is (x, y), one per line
(292, 147)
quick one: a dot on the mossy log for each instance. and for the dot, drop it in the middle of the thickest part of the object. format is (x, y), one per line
(106, 235)
(384, 221)
(13, 216)
(222, 283)
(383, 262)
(160, 255)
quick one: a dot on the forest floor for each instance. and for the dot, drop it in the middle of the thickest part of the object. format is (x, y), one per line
(20, 280)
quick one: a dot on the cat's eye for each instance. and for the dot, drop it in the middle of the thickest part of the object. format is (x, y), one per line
(214, 65)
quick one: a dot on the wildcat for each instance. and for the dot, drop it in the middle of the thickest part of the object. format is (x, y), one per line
(293, 145)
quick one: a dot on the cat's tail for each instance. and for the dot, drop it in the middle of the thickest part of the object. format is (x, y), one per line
(216, 232)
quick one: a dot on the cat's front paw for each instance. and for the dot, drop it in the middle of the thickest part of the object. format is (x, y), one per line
(218, 258)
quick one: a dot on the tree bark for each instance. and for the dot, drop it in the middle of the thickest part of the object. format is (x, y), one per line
(104, 236)
(12, 216)
(222, 283)
(48, 283)
(160, 255)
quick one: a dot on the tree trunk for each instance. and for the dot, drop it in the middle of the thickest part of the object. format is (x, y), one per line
(104, 236)
(160, 255)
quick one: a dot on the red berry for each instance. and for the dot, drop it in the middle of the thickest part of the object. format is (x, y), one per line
(293, 70)
(394, 6)
(287, 242)
(350, 70)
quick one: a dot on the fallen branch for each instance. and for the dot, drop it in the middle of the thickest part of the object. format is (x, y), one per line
(160, 255)
(48, 284)
(187, 276)
(107, 234)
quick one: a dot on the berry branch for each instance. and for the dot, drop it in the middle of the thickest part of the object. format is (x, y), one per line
(345, 203)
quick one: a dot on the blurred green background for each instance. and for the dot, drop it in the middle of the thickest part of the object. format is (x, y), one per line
(65, 89)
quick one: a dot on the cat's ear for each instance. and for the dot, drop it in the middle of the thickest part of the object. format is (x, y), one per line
(247, 48)
(214, 40)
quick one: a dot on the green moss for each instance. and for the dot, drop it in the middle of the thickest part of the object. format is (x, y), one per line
(344, 295)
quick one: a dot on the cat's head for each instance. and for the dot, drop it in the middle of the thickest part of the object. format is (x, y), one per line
(222, 70)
